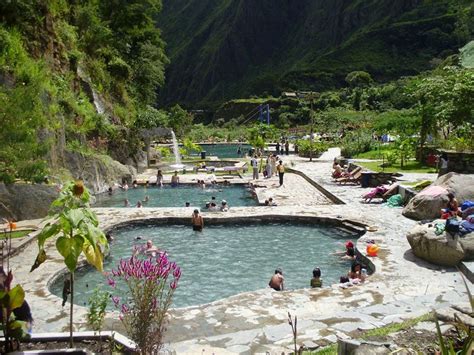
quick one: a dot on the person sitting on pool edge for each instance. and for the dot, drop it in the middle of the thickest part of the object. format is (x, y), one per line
(175, 179)
(316, 281)
(277, 280)
(197, 221)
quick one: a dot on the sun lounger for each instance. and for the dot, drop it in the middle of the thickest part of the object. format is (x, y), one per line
(352, 173)
(352, 179)
(383, 192)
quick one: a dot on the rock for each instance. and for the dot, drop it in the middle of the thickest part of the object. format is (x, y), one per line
(98, 172)
(452, 316)
(26, 201)
(428, 203)
(437, 249)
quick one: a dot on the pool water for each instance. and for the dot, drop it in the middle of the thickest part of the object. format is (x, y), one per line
(225, 260)
(225, 150)
(168, 196)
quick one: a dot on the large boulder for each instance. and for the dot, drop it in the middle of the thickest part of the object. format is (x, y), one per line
(26, 201)
(428, 203)
(443, 249)
(98, 172)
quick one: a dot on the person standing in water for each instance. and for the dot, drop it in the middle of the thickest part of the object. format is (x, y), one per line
(277, 280)
(159, 178)
(197, 221)
(175, 179)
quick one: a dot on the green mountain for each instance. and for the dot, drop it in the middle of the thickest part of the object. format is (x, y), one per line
(222, 49)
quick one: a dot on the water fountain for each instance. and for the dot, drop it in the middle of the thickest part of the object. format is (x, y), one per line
(177, 156)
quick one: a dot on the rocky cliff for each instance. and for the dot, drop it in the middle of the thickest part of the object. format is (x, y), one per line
(225, 49)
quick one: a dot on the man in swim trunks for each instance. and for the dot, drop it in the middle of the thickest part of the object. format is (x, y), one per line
(175, 179)
(277, 280)
(197, 221)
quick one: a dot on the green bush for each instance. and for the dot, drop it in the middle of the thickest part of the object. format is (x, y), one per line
(305, 147)
(357, 142)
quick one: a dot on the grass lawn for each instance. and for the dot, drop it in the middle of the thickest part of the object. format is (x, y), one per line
(375, 154)
(410, 167)
(17, 234)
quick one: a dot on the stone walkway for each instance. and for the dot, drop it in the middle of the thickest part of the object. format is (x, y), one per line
(256, 322)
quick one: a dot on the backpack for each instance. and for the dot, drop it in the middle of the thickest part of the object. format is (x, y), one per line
(452, 226)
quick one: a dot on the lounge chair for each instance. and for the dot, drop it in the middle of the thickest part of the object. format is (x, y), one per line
(383, 192)
(350, 174)
(352, 179)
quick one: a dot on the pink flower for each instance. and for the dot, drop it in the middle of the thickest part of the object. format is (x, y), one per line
(111, 282)
(116, 300)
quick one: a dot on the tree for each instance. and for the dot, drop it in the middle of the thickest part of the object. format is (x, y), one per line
(444, 100)
(150, 117)
(359, 79)
(180, 120)
(76, 229)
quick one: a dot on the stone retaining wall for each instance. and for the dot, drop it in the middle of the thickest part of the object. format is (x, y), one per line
(459, 162)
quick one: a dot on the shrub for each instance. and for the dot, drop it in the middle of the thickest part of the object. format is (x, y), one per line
(306, 146)
(144, 307)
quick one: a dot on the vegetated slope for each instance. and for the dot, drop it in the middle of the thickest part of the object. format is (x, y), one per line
(74, 77)
(222, 49)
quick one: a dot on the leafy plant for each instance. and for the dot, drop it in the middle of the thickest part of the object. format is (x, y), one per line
(75, 227)
(150, 293)
(307, 148)
(189, 146)
(11, 299)
(96, 312)
(465, 335)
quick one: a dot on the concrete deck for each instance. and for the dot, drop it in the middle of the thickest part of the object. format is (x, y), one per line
(256, 322)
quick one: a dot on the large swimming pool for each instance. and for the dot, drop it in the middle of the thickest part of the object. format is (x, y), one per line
(226, 150)
(225, 260)
(167, 196)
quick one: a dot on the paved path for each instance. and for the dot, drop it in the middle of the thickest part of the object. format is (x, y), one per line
(256, 322)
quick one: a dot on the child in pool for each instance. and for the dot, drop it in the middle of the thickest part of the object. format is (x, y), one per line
(316, 281)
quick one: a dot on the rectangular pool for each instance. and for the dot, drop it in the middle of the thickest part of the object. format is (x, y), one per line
(167, 196)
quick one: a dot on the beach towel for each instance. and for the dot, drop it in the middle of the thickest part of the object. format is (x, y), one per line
(433, 191)
(395, 201)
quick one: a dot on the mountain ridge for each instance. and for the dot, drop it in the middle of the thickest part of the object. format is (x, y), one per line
(223, 50)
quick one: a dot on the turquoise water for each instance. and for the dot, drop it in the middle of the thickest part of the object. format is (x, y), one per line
(225, 150)
(168, 196)
(225, 260)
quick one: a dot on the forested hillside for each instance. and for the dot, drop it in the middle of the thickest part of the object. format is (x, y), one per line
(226, 49)
(74, 76)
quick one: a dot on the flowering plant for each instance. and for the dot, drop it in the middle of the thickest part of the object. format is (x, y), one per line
(151, 284)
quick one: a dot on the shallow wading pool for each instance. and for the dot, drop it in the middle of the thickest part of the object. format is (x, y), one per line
(228, 259)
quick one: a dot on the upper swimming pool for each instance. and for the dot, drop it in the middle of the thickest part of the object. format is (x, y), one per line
(167, 196)
(226, 150)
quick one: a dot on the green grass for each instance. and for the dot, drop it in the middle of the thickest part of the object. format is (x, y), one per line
(375, 154)
(411, 167)
(328, 350)
(17, 234)
(396, 327)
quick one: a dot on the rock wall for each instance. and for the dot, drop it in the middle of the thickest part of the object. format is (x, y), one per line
(98, 172)
(26, 201)
(459, 162)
